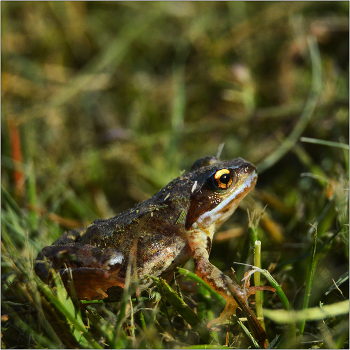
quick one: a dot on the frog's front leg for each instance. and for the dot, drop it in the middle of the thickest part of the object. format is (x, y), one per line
(217, 280)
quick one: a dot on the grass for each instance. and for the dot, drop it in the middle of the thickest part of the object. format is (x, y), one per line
(104, 103)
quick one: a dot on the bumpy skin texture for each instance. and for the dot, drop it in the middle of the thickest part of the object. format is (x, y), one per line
(157, 235)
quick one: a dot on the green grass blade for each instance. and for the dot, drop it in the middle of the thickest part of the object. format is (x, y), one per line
(258, 294)
(198, 280)
(325, 143)
(65, 311)
(309, 278)
(40, 339)
(183, 309)
(275, 285)
(72, 309)
(304, 256)
(8, 198)
(247, 333)
(292, 330)
(311, 314)
(343, 278)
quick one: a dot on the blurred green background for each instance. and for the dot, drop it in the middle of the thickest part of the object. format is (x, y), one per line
(118, 97)
(103, 103)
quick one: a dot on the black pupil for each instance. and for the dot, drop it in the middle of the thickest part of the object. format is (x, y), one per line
(225, 178)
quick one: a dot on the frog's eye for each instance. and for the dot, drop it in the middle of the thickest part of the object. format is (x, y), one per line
(222, 179)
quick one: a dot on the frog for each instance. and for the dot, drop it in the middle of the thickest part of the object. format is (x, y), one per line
(157, 236)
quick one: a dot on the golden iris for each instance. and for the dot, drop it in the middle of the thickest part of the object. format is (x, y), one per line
(223, 178)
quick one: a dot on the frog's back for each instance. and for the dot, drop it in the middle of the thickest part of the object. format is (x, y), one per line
(154, 227)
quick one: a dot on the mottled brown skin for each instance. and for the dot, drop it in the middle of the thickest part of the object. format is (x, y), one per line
(166, 230)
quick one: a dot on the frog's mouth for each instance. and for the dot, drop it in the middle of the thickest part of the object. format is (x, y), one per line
(228, 205)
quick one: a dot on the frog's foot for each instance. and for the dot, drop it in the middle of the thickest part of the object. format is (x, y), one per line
(229, 310)
(91, 283)
(238, 299)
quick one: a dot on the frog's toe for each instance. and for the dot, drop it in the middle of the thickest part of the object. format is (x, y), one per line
(228, 311)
